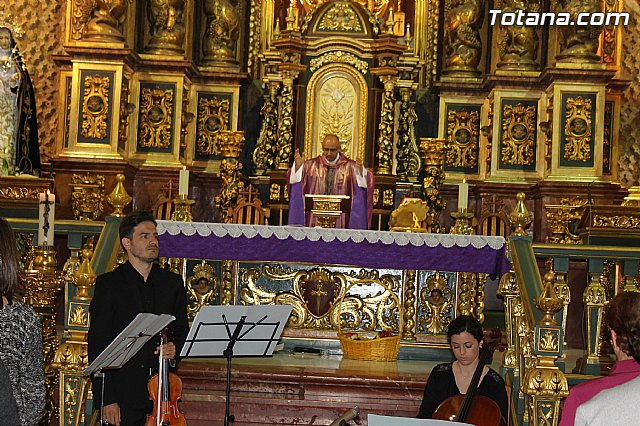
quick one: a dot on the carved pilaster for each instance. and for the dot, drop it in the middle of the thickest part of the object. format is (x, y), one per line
(385, 137)
(544, 383)
(226, 288)
(508, 289)
(285, 129)
(264, 155)
(407, 157)
(595, 298)
(43, 283)
(71, 358)
(409, 331)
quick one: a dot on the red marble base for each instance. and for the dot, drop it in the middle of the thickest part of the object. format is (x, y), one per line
(269, 391)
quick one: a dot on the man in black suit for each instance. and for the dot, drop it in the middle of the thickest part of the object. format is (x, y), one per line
(139, 285)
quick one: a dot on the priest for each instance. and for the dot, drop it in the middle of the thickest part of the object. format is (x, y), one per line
(331, 173)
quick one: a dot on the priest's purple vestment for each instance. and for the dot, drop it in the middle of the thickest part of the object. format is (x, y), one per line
(316, 175)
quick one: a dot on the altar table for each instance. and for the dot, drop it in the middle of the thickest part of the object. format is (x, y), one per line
(372, 249)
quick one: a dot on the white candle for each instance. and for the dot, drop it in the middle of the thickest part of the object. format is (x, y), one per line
(183, 185)
(46, 218)
(463, 195)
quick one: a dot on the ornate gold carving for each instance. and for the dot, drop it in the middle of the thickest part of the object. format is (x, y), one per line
(462, 45)
(274, 192)
(340, 17)
(633, 199)
(156, 109)
(43, 283)
(223, 26)
(202, 288)
(230, 146)
(578, 129)
(376, 7)
(560, 217)
(463, 132)
(119, 198)
(314, 295)
(166, 20)
(518, 44)
(284, 141)
(339, 56)
(618, 221)
(18, 193)
(409, 331)
(407, 156)
(95, 107)
(436, 301)
(227, 282)
(519, 134)
(385, 136)
(264, 154)
(256, 31)
(579, 43)
(87, 196)
(610, 34)
(213, 116)
(387, 198)
(433, 151)
(520, 217)
(508, 289)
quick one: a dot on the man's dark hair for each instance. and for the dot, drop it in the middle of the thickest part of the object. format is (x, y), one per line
(132, 220)
(623, 317)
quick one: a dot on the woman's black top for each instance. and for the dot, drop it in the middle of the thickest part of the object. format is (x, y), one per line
(442, 384)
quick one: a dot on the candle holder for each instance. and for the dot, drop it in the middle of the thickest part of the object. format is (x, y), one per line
(462, 226)
(182, 213)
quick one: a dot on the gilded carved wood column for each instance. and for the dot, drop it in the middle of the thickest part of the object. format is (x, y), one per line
(385, 137)
(264, 155)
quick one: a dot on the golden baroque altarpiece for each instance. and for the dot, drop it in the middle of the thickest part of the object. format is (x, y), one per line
(147, 87)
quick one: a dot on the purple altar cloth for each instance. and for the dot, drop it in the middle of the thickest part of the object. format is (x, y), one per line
(453, 258)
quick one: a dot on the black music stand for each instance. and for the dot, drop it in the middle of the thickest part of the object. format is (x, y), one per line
(125, 345)
(228, 331)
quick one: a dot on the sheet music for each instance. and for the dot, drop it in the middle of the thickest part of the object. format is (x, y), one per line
(213, 328)
(129, 341)
(378, 420)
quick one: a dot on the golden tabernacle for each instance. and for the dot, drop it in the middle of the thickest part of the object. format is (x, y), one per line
(501, 183)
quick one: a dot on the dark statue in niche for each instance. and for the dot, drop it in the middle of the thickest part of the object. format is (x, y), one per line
(19, 147)
(104, 19)
(518, 44)
(223, 24)
(579, 42)
(462, 46)
(166, 25)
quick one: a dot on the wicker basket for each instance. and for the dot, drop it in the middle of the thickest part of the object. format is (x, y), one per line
(378, 349)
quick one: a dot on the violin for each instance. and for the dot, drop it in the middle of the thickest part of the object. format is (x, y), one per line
(165, 389)
(478, 410)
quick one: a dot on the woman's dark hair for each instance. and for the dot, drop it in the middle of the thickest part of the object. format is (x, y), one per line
(132, 220)
(623, 317)
(465, 323)
(8, 262)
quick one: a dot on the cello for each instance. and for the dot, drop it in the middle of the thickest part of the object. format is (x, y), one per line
(478, 410)
(165, 389)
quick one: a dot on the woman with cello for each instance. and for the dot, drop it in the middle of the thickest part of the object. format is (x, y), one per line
(450, 389)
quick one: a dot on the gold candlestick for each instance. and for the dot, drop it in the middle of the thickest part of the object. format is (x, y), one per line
(182, 213)
(462, 226)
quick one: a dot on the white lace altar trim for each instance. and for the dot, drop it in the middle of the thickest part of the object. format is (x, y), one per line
(327, 235)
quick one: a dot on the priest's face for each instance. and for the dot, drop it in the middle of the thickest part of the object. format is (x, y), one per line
(330, 147)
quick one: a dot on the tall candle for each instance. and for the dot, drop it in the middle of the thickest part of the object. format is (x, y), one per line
(46, 218)
(463, 195)
(183, 185)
